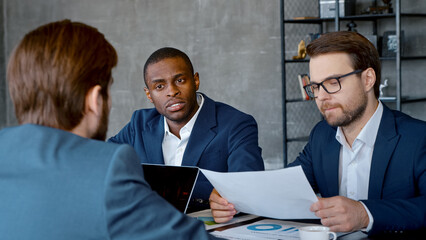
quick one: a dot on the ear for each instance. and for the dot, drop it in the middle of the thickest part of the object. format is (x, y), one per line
(196, 81)
(148, 94)
(369, 76)
(94, 101)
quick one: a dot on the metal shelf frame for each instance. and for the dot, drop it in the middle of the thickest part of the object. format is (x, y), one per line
(374, 18)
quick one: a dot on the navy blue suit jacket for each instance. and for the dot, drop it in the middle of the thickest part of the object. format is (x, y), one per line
(397, 186)
(57, 185)
(223, 139)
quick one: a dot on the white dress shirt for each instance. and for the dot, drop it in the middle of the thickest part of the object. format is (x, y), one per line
(355, 161)
(173, 147)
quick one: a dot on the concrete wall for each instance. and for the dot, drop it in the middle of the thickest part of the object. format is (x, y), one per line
(234, 45)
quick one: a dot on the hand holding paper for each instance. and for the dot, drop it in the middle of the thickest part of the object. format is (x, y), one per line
(283, 193)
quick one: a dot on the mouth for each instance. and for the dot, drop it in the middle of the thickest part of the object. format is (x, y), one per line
(328, 108)
(175, 106)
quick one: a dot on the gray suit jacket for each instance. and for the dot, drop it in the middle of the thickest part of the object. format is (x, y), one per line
(57, 185)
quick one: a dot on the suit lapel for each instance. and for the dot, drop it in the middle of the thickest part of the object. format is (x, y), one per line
(202, 133)
(153, 139)
(330, 163)
(386, 141)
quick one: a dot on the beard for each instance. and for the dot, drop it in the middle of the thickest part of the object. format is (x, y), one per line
(101, 131)
(349, 115)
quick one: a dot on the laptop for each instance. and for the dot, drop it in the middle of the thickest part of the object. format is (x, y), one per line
(174, 183)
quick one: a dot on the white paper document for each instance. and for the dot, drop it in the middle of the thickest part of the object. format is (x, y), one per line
(264, 229)
(282, 194)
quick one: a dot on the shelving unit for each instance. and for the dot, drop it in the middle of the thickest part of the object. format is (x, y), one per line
(297, 121)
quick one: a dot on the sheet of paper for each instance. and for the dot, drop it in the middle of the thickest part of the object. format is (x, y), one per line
(264, 229)
(267, 229)
(209, 223)
(282, 194)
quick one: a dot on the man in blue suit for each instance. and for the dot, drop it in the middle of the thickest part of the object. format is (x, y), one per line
(187, 128)
(57, 180)
(368, 162)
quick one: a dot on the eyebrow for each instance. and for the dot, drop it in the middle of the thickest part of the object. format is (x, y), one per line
(157, 80)
(161, 80)
(328, 78)
(178, 75)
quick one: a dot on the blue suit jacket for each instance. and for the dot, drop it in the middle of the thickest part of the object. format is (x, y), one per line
(223, 139)
(397, 186)
(57, 185)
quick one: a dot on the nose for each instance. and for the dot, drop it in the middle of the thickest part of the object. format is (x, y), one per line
(322, 94)
(173, 90)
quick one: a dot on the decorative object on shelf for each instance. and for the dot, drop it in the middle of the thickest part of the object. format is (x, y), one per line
(304, 18)
(380, 9)
(351, 26)
(301, 51)
(328, 8)
(303, 81)
(390, 43)
(383, 85)
(388, 3)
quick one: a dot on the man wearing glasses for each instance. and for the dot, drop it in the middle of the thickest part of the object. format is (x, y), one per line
(368, 162)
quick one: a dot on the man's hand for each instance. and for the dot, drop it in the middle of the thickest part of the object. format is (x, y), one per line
(222, 211)
(341, 214)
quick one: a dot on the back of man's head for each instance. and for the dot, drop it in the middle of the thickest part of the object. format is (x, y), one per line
(163, 53)
(52, 69)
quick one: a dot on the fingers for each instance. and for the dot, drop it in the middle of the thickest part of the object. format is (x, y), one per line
(222, 211)
(330, 207)
(323, 203)
(219, 203)
(221, 216)
(222, 219)
(339, 224)
(340, 213)
(216, 198)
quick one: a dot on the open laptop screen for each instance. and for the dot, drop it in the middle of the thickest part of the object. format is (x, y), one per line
(174, 183)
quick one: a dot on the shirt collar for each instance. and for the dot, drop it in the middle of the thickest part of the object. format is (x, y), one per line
(190, 124)
(368, 133)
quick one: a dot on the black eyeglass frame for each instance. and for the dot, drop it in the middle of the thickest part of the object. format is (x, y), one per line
(311, 92)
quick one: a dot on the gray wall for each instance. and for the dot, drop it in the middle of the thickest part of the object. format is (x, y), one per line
(234, 45)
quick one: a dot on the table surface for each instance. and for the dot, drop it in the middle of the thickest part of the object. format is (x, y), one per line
(350, 236)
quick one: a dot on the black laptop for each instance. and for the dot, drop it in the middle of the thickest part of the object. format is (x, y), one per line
(174, 183)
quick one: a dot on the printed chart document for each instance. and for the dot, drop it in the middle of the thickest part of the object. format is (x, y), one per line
(282, 194)
(209, 223)
(264, 229)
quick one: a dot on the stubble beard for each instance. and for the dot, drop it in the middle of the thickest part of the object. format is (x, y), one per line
(349, 115)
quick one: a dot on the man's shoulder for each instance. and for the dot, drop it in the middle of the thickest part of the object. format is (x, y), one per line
(145, 116)
(223, 109)
(402, 118)
(405, 123)
(52, 141)
(146, 113)
(321, 131)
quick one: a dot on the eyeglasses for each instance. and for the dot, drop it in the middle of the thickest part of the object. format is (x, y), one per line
(330, 85)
